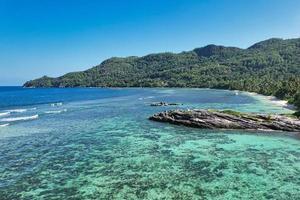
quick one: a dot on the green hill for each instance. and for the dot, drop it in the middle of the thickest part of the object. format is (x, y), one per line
(270, 67)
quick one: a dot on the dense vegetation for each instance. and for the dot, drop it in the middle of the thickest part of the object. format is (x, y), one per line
(270, 67)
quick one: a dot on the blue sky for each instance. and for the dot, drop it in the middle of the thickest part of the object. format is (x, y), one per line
(52, 37)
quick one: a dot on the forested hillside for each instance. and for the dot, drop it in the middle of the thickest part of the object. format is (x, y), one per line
(270, 67)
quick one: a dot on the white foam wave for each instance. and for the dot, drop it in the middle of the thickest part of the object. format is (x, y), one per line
(3, 125)
(4, 114)
(17, 110)
(56, 104)
(55, 111)
(149, 97)
(13, 119)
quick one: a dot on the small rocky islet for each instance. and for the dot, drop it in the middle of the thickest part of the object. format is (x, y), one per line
(228, 119)
(165, 104)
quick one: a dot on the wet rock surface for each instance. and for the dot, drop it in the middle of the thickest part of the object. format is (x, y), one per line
(228, 120)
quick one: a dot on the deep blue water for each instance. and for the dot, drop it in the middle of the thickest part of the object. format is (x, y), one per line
(91, 143)
(18, 96)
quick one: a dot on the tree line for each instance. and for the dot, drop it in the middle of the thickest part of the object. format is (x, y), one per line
(270, 67)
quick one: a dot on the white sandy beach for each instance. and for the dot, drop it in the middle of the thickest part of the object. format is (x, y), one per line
(271, 99)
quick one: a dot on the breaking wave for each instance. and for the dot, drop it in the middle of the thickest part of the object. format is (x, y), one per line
(13, 119)
(17, 110)
(149, 97)
(56, 104)
(55, 111)
(4, 114)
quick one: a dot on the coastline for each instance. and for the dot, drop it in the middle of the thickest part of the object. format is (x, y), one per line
(272, 99)
(121, 123)
(282, 103)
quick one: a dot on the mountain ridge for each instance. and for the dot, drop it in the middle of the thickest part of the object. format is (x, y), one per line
(270, 67)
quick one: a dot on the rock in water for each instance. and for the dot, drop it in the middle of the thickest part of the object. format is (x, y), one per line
(165, 104)
(228, 120)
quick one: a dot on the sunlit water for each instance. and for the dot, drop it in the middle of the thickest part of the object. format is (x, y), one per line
(98, 144)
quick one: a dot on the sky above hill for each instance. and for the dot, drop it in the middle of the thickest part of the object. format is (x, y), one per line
(52, 37)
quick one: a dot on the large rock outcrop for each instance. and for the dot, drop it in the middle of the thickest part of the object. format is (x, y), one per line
(212, 119)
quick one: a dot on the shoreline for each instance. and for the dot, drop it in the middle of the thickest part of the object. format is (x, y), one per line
(272, 99)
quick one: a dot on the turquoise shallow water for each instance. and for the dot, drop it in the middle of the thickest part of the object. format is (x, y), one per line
(98, 144)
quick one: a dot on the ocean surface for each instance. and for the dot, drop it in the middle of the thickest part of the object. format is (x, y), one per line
(98, 144)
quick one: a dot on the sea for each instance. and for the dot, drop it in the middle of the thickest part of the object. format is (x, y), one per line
(97, 143)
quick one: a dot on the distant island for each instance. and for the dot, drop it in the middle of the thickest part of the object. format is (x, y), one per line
(270, 67)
